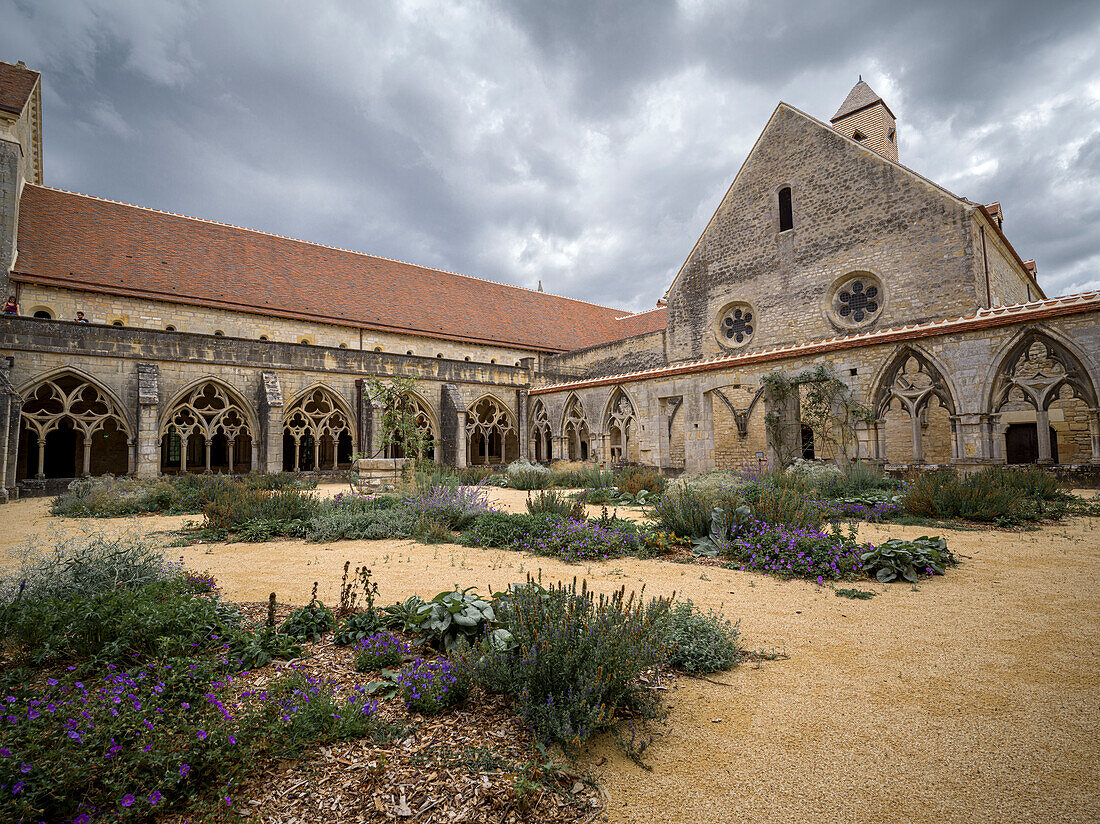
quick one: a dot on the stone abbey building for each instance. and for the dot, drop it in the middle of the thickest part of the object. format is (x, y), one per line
(211, 347)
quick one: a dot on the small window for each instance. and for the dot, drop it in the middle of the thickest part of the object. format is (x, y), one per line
(439, 355)
(343, 346)
(891, 134)
(786, 210)
(219, 333)
(42, 314)
(378, 349)
(857, 135)
(117, 323)
(304, 341)
(264, 337)
(492, 360)
(169, 328)
(467, 359)
(409, 352)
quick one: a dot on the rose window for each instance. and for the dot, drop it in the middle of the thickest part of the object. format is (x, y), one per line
(858, 301)
(737, 326)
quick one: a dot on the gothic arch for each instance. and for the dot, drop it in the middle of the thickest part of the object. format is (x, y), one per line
(207, 425)
(542, 433)
(491, 434)
(575, 429)
(620, 422)
(912, 382)
(71, 420)
(427, 424)
(317, 431)
(1034, 371)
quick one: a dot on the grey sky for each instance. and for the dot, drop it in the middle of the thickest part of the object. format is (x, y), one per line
(584, 143)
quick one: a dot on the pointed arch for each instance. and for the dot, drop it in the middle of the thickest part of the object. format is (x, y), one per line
(575, 429)
(620, 420)
(542, 433)
(491, 433)
(68, 420)
(317, 431)
(915, 385)
(427, 424)
(1034, 371)
(208, 426)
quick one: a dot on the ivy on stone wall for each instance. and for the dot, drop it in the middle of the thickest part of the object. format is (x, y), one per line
(396, 397)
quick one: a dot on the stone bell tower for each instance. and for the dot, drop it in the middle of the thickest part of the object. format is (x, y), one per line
(864, 117)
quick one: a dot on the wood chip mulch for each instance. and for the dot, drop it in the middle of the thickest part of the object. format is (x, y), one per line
(473, 764)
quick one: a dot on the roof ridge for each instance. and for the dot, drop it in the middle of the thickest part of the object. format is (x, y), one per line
(646, 312)
(334, 248)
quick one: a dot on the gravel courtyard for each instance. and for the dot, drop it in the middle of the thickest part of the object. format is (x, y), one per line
(974, 697)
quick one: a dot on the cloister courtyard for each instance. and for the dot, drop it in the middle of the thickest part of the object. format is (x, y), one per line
(969, 697)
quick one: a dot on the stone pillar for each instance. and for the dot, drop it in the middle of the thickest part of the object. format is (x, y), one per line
(377, 439)
(148, 434)
(561, 448)
(1094, 432)
(918, 445)
(521, 416)
(1042, 426)
(605, 449)
(460, 441)
(880, 440)
(267, 444)
(11, 409)
(699, 432)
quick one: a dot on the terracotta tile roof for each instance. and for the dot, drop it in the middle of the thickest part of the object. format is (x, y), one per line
(16, 85)
(641, 323)
(982, 319)
(88, 243)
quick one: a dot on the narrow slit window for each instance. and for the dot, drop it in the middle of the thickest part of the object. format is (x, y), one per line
(786, 212)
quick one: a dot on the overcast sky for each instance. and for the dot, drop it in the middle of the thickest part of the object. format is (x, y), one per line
(582, 143)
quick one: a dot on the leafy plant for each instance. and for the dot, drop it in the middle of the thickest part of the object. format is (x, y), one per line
(430, 687)
(854, 594)
(401, 615)
(356, 627)
(633, 479)
(526, 475)
(700, 641)
(453, 616)
(572, 540)
(684, 511)
(897, 558)
(554, 502)
(501, 529)
(309, 622)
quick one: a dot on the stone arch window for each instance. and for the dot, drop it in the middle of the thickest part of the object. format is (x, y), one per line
(117, 323)
(857, 300)
(808, 451)
(317, 433)
(1039, 374)
(43, 314)
(467, 359)
(218, 333)
(491, 436)
(408, 352)
(169, 328)
(343, 346)
(576, 431)
(786, 209)
(72, 427)
(378, 349)
(206, 429)
(735, 324)
(912, 384)
(620, 424)
(425, 426)
(264, 337)
(542, 434)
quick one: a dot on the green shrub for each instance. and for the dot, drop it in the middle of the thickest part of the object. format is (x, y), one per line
(379, 650)
(572, 540)
(590, 477)
(366, 519)
(526, 475)
(355, 628)
(785, 505)
(701, 641)
(554, 502)
(631, 480)
(571, 660)
(684, 512)
(501, 529)
(980, 497)
(897, 558)
(473, 475)
(402, 615)
(430, 687)
(233, 506)
(309, 622)
(857, 480)
(1031, 481)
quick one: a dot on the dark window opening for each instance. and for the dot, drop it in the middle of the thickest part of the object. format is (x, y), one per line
(786, 211)
(807, 443)
(42, 314)
(858, 135)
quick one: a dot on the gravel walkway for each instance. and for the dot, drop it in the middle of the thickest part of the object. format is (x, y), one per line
(973, 698)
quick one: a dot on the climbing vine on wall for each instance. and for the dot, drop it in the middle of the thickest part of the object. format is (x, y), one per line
(827, 406)
(396, 398)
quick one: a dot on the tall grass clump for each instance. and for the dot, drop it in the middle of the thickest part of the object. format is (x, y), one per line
(684, 511)
(788, 505)
(1031, 481)
(523, 474)
(980, 497)
(554, 502)
(584, 476)
(573, 659)
(237, 505)
(632, 479)
(857, 479)
(455, 506)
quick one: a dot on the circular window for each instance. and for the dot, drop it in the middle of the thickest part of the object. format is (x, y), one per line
(858, 300)
(735, 325)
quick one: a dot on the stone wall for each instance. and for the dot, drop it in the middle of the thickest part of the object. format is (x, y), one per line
(853, 212)
(628, 355)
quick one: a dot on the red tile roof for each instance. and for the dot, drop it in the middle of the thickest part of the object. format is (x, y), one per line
(88, 243)
(16, 85)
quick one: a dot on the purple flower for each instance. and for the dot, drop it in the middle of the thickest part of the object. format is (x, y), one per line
(18, 788)
(202, 735)
(127, 800)
(155, 797)
(186, 768)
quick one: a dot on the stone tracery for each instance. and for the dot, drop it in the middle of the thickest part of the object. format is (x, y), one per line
(210, 425)
(542, 433)
(317, 433)
(914, 382)
(620, 423)
(63, 407)
(491, 434)
(575, 430)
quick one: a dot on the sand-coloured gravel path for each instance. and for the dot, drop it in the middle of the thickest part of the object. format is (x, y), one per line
(972, 698)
